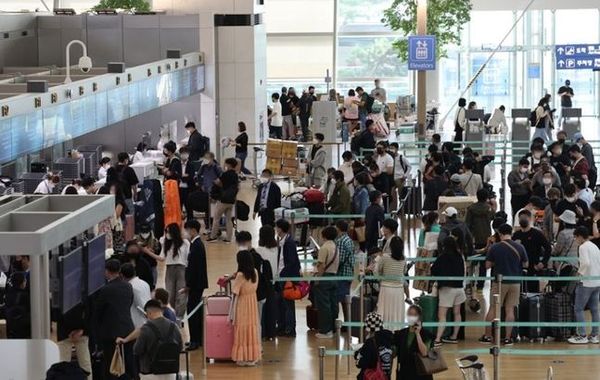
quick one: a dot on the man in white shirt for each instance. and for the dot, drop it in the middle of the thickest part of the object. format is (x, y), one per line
(402, 169)
(587, 291)
(583, 192)
(276, 118)
(384, 160)
(346, 168)
(379, 93)
(47, 185)
(498, 122)
(141, 294)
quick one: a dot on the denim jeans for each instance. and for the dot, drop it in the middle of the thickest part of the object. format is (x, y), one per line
(242, 156)
(587, 297)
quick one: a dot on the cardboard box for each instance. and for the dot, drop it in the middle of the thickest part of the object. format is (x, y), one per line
(290, 149)
(459, 203)
(274, 165)
(290, 162)
(289, 171)
(274, 148)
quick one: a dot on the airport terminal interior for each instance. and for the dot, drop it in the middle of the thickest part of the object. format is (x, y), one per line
(299, 189)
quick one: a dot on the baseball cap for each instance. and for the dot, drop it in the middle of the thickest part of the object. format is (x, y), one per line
(455, 178)
(450, 211)
(577, 136)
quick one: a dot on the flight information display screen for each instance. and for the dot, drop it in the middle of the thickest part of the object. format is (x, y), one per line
(27, 133)
(95, 259)
(118, 104)
(5, 140)
(71, 279)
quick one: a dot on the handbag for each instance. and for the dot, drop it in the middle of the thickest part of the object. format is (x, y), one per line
(295, 291)
(431, 364)
(117, 365)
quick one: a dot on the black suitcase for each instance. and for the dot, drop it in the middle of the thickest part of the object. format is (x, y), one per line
(369, 303)
(413, 203)
(532, 309)
(559, 308)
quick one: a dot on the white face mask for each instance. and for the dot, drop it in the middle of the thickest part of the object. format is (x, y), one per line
(537, 155)
(333, 181)
(570, 199)
(523, 170)
(168, 236)
(185, 157)
(242, 247)
(547, 181)
(185, 235)
(316, 142)
(145, 235)
(263, 180)
(412, 319)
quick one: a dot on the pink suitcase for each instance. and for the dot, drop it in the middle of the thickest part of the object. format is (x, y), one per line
(218, 305)
(218, 339)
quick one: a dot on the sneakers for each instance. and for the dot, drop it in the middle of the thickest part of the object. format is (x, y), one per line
(450, 340)
(485, 339)
(328, 335)
(508, 342)
(594, 339)
(578, 339)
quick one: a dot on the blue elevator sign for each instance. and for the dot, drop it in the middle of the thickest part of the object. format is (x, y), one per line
(577, 56)
(421, 53)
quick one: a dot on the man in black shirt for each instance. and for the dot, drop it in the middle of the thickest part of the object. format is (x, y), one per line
(287, 128)
(537, 246)
(196, 142)
(566, 94)
(196, 280)
(124, 177)
(305, 105)
(571, 202)
(226, 194)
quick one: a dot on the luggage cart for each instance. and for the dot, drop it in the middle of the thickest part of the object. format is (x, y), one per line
(471, 368)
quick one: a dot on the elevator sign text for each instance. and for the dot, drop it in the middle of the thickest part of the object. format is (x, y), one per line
(421, 53)
(577, 57)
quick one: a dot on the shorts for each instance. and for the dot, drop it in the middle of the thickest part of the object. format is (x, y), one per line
(449, 297)
(343, 290)
(510, 294)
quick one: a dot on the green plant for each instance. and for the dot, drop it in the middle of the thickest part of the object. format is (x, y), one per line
(445, 20)
(130, 5)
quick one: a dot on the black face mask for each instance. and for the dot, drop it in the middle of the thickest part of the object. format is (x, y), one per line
(380, 150)
(562, 141)
(166, 154)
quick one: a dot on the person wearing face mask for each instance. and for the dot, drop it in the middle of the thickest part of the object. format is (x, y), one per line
(288, 265)
(401, 173)
(125, 178)
(139, 153)
(346, 168)
(595, 210)
(584, 193)
(47, 185)
(588, 153)
(536, 245)
(547, 184)
(196, 281)
(559, 161)
(187, 183)
(377, 348)
(268, 198)
(571, 202)
(197, 144)
(460, 120)
(150, 247)
(205, 178)
(452, 224)
(580, 167)
(374, 218)
(143, 269)
(175, 252)
(172, 168)
(434, 188)
(385, 162)
(565, 246)
(539, 170)
(533, 205)
(392, 263)
(340, 201)
(225, 189)
(520, 185)
(241, 147)
(550, 226)
(316, 165)
(536, 154)
(587, 291)
(410, 341)
(103, 167)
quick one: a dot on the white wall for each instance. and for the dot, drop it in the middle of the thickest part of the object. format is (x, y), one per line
(511, 5)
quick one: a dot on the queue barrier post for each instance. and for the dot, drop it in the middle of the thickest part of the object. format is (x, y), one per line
(550, 373)
(204, 311)
(321, 363)
(362, 311)
(348, 306)
(338, 328)
(497, 331)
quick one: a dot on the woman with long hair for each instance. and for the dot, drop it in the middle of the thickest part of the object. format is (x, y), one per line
(410, 341)
(391, 296)
(174, 253)
(449, 263)
(267, 249)
(246, 349)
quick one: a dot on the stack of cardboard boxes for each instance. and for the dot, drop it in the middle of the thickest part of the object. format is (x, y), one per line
(282, 157)
(290, 158)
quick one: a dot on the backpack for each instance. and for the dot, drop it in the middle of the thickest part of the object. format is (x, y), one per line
(369, 103)
(204, 145)
(165, 353)
(242, 210)
(376, 373)
(65, 371)
(533, 120)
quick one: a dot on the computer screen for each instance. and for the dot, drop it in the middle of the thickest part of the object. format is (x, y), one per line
(71, 279)
(95, 259)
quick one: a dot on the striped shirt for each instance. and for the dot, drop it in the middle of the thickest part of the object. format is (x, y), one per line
(345, 247)
(387, 266)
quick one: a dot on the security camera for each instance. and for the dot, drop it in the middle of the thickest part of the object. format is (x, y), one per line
(85, 64)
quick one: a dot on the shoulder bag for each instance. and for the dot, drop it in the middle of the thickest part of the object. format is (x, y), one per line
(431, 364)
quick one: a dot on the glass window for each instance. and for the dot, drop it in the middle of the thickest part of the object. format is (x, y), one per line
(299, 16)
(366, 15)
(489, 27)
(299, 57)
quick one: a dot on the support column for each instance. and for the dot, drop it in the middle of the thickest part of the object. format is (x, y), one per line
(421, 75)
(39, 297)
